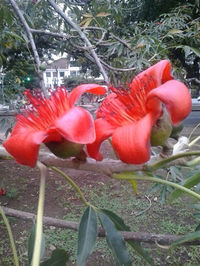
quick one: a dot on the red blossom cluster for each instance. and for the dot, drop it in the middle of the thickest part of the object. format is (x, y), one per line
(127, 116)
(2, 192)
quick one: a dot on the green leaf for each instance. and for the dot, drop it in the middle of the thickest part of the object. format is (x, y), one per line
(197, 228)
(175, 31)
(14, 35)
(189, 49)
(189, 183)
(163, 195)
(59, 257)
(142, 252)
(31, 242)
(115, 241)
(87, 235)
(154, 188)
(118, 221)
(195, 50)
(186, 238)
(120, 225)
(134, 186)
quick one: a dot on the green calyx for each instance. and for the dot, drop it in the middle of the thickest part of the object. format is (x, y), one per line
(162, 130)
(175, 131)
(64, 149)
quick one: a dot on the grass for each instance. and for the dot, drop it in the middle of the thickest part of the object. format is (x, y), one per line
(118, 197)
(169, 219)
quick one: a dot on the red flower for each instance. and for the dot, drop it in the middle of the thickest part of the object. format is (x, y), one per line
(128, 115)
(53, 120)
(2, 192)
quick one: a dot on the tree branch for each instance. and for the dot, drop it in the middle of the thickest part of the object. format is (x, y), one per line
(53, 34)
(32, 43)
(109, 67)
(107, 166)
(137, 236)
(121, 41)
(83, 37)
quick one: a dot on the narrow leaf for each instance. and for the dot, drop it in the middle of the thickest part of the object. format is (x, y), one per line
(87, 235)
(115, 241)
(59, 257)
(163, 195)
(134, 185)
(85, 23)
(195, 50)
(175, 31)
(189, 183)
(120, 225)
(186, 238)
(88, 15)
(142, 252)
(118, 221)
(14, 35)
(103, 14)
(197, 228)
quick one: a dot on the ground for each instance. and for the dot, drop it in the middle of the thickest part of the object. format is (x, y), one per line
(21, 185)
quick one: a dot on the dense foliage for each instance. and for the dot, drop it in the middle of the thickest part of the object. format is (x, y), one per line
(128, 36)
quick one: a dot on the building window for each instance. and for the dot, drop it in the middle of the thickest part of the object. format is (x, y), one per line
(73, 73)
(55, 74)
(62, 74)
(48, 74)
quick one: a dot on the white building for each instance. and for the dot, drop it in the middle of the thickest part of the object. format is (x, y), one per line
(57, 70)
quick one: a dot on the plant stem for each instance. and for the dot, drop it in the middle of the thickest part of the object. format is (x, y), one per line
(194, 141)
(12, 242)
(40, 210)
(171, 158)
(72, 183)
(158, 180)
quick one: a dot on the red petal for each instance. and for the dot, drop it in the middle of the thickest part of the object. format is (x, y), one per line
(132, 142)
(53, 135)
(148, 80)
(103, 131)
(175, 96)
(79, 90)
(158, 73)
(23, 144)
(77, 126)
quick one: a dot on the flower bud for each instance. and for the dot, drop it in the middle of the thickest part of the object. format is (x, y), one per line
(161, 130)
(64, 149)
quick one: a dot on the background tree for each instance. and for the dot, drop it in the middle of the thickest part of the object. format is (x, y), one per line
(127, 36)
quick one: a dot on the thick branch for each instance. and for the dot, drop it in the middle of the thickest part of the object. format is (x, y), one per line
(109, 67)
(117, 69)
(121, 41)
(107, 166)
(53, 34)
(137, 236)
(83, 37)
(32, 43)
